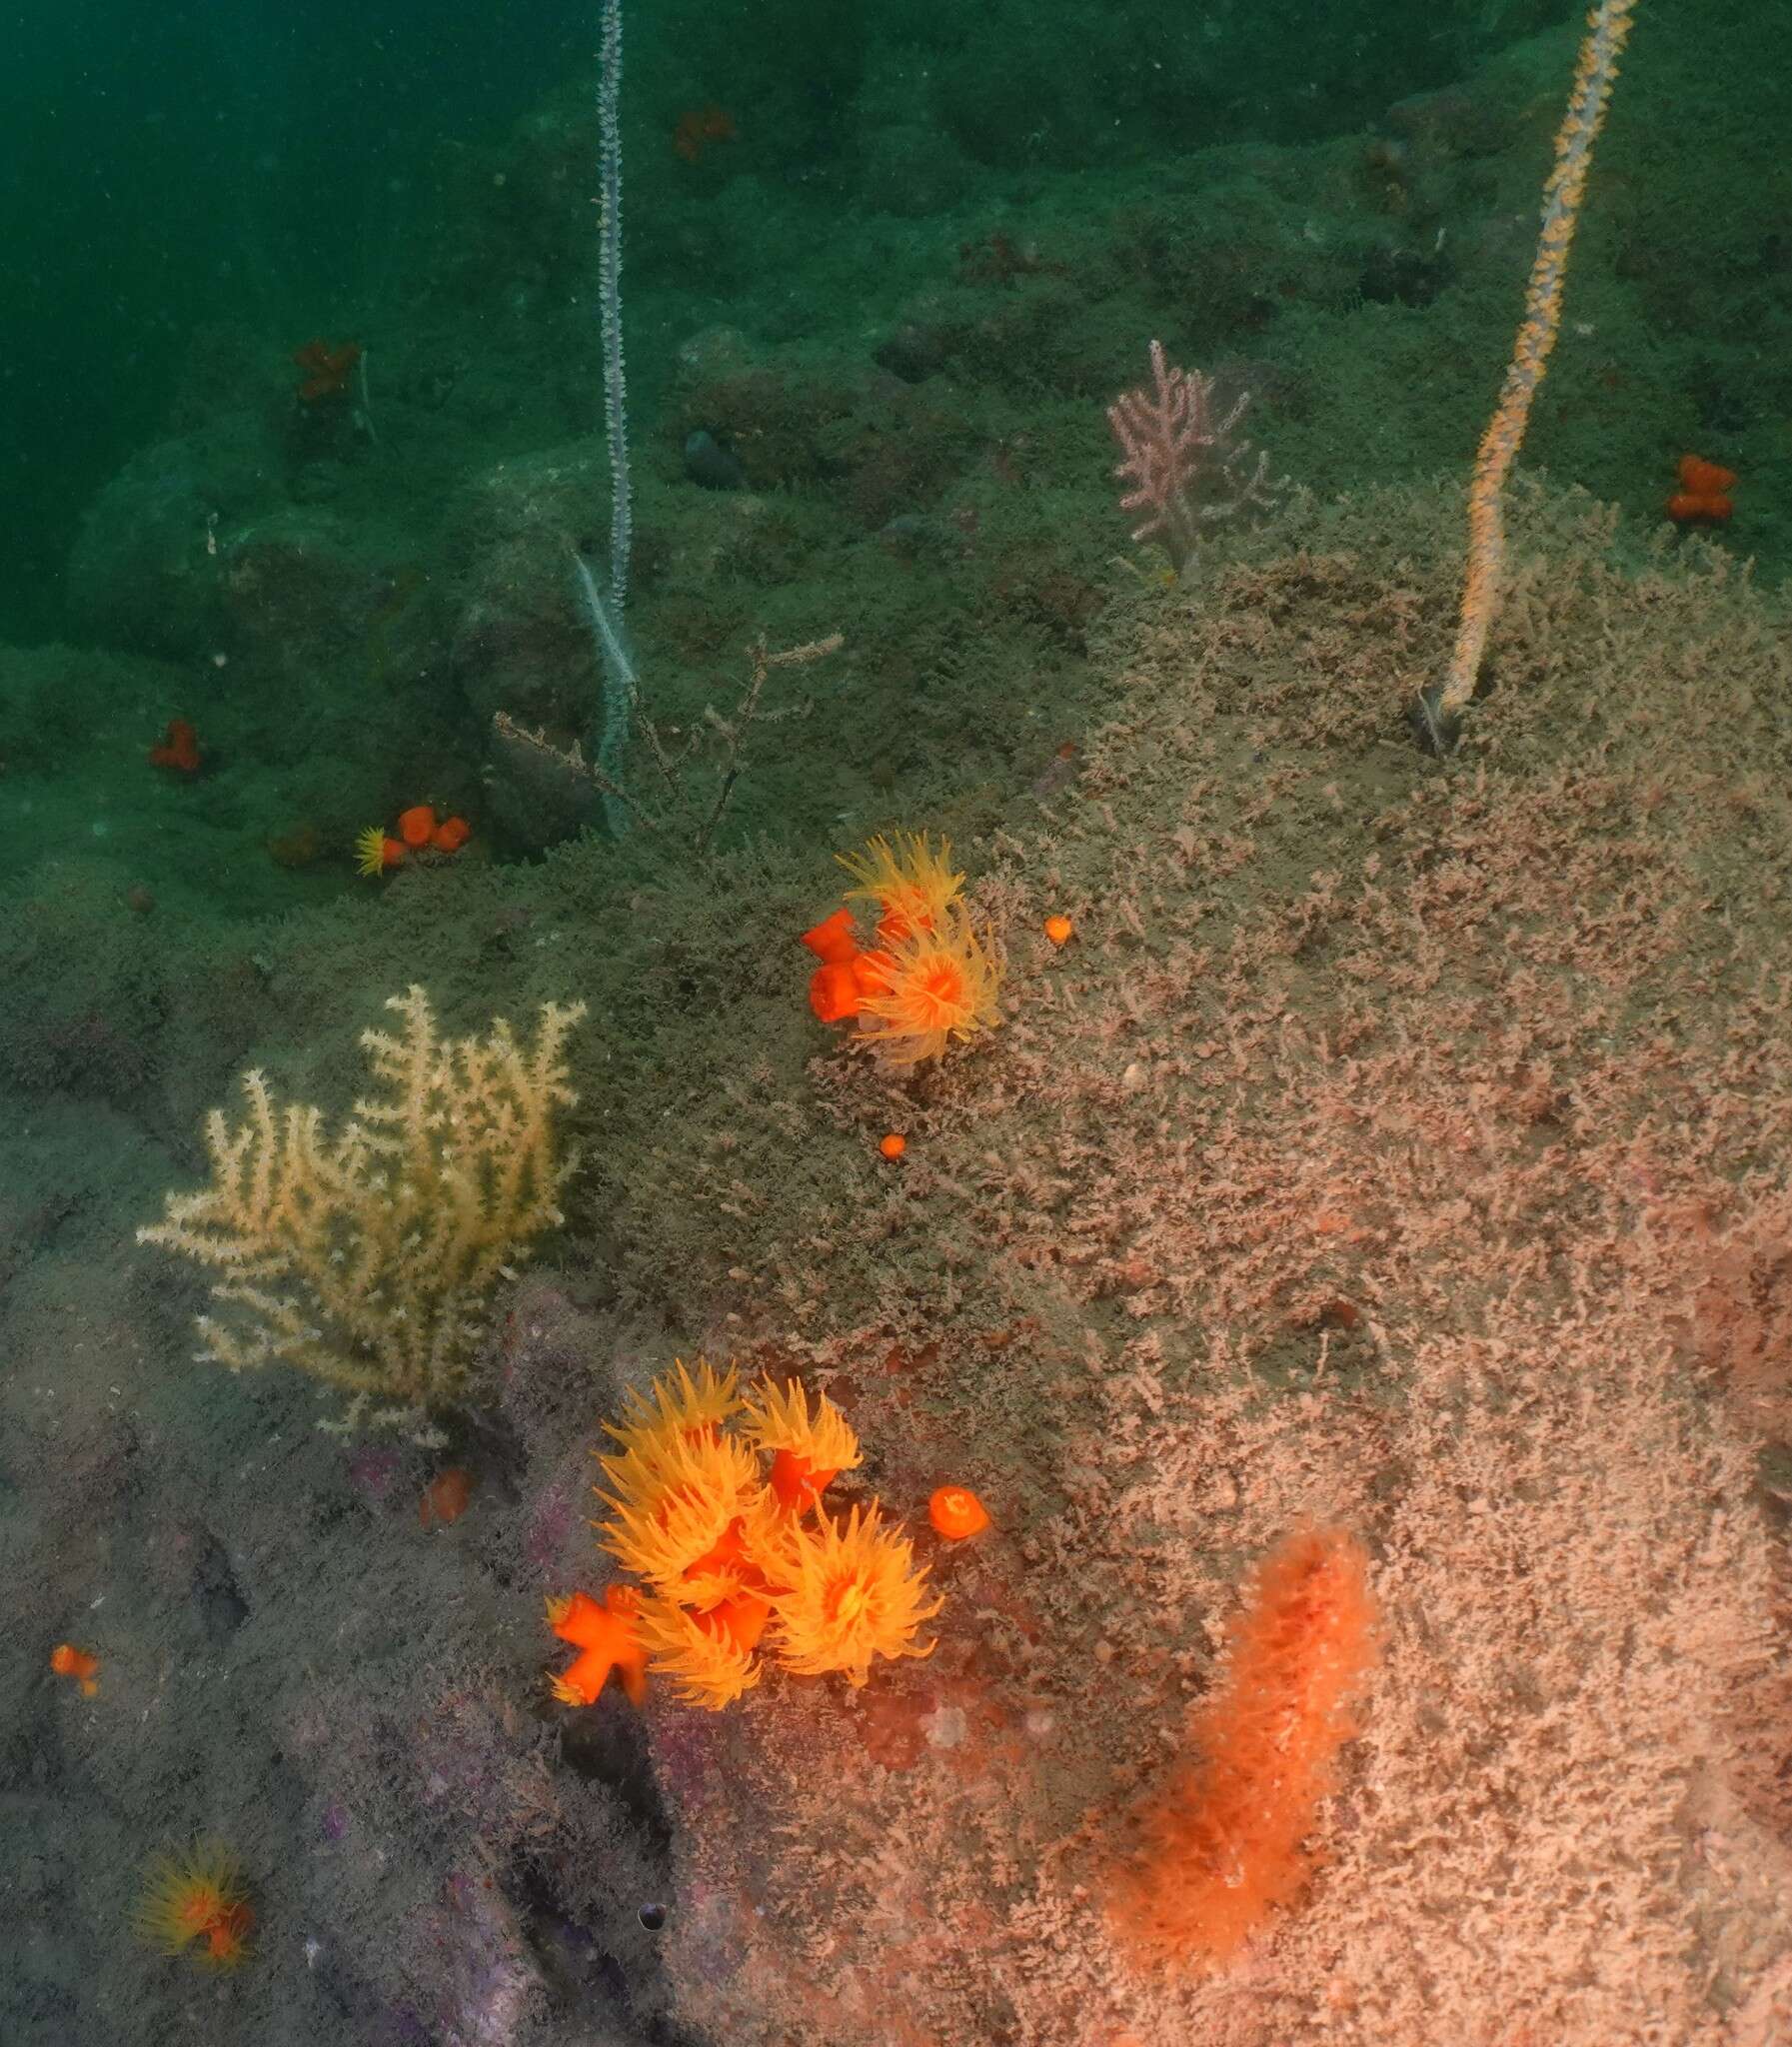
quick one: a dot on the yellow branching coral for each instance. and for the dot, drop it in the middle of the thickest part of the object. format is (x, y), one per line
(719, 1537)
(849, 1591)
(913, 886)
(928, 987)
(365, 1256)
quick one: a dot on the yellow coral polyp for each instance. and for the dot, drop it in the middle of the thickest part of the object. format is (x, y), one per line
(777, 1419)
(699, 1653)
(679, 1404)
(673, 1500)
(849, 1591)
(930, 987)
(197, 1894)
(913, 886)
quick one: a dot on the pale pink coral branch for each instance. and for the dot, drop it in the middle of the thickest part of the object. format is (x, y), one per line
(1185, 456)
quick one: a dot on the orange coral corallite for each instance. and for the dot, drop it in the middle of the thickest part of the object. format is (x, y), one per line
(1222, 1842)
(416, 825)
(609, 1638)
(957, 1512)
(1704, 491)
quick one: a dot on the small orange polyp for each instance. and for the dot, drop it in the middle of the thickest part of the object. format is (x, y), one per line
(451, 834)
(1060, 929)
(68, 1661)
(957, 1512)
(416, 825)
(893, 1146)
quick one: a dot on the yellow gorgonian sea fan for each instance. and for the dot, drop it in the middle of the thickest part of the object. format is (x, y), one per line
(707, 1657)
(928, 988)
(913, 886)
(806, 1452)
(674, 1500)
(847, 1591)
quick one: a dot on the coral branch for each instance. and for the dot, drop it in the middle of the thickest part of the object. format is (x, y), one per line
(1186, 458)
(365, 1259)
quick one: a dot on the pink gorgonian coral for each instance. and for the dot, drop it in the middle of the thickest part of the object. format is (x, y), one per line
(1189, 464)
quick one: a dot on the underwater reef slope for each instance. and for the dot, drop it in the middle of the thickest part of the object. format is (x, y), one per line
(1397, 1144)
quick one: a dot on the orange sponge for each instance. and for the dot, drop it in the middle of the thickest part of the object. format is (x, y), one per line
(1223, 1842)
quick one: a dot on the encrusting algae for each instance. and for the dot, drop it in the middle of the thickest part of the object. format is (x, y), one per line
(727, 1549)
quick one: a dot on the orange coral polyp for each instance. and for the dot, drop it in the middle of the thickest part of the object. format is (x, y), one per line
(797, 1483)
(833, 992)
(699, 1653)
(608, 1639)
(913, 885)
(196, 1895)
(850, 1592)
(227, 1936)
(957, 1512)
(1705, 479)
(68, 1661)
(834, 938)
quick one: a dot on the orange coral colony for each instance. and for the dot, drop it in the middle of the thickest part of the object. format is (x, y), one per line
(930, 978)
(198, 1895)
(715, 1503)
(1222, 1841)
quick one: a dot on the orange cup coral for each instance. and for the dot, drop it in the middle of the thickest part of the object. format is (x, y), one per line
(197, 1894)
(849, 1592)
(930, 978)
(709, 1502)
(68, 1661)
(957, 1512)
(930, 988)
(608, 1637)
